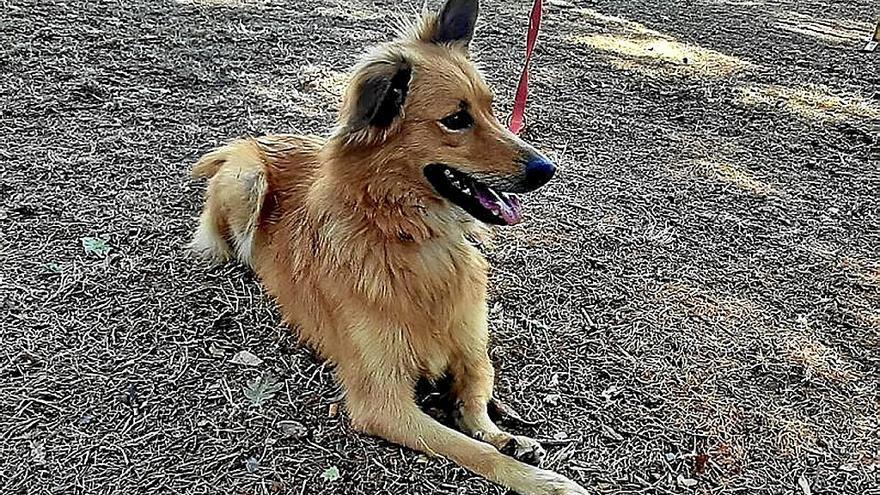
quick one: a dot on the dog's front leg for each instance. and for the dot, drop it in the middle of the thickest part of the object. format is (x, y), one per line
(384, 406)
(473, 380)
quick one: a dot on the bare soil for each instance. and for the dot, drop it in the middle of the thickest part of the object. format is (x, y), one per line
(693, 306)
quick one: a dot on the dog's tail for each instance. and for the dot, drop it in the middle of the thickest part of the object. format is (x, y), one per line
(234, 201)
(209, 164)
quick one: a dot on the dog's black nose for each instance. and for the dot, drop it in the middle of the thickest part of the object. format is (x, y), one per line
(539, 171)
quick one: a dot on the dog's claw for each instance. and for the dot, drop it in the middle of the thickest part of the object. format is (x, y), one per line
(524, 449)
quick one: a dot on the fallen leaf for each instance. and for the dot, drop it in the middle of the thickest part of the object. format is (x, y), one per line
(552, 399)
(612, 434)
(95, 246)
(330, 474)
(505, 412)
(611, 392)
(216, 351)
(805, 486)
(38, 452)
(52, 268)
(686, 482)
(293, 429)
(700, 463)
(252, 465)
(333, 410)
(262, 389)
(246, 358)
(560, 435)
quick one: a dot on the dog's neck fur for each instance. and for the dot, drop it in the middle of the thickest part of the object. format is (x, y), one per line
(366, 192)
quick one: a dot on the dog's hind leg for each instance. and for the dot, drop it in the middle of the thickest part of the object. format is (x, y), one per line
(236, 192)
(209, 243)
(386, 408)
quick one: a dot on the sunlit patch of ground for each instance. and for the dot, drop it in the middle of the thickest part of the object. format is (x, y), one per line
(733, 174)
(621, 23)
(813, 102)
(315, 91)
(830, 30)
(223, 3)
(793, 434)
(328, 82)
(356, 13)
(737, 3)
(724, 171)
(817, 358)
(694, 301)
(639, 48)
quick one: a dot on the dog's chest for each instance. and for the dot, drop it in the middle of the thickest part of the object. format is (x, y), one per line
(449, 308)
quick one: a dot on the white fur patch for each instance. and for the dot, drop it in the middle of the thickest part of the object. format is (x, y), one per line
(244, 247)
(208, 244)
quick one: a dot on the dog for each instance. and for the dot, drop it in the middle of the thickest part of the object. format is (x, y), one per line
(365, 239)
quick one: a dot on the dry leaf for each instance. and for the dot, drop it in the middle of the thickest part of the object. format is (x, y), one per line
(686, 482)
(805, 486)
(246, 358)
(293, 429)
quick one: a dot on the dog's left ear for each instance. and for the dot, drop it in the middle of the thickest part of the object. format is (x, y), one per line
(375, 99)
(457, 21)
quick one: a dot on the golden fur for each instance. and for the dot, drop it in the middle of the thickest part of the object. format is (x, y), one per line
(368, 261)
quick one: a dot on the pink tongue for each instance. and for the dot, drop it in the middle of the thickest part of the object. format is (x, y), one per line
(508, 207)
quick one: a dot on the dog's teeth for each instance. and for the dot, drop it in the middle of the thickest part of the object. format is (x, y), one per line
(466, 190)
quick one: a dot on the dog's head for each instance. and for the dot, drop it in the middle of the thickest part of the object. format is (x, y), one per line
(421, 108)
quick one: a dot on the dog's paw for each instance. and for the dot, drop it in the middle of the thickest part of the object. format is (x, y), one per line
(524, 449)
(550, 483)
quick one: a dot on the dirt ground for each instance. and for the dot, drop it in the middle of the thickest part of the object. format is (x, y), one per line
(692, 306)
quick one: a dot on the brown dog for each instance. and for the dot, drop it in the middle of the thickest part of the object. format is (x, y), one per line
(363, 240)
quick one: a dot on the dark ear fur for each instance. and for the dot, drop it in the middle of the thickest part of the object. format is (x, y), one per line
(381, 95)
(456, 21)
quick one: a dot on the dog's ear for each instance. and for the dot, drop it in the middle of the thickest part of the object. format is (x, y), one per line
(456, 22)
(375, 99)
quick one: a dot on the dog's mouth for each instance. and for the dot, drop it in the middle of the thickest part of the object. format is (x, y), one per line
(477, 198)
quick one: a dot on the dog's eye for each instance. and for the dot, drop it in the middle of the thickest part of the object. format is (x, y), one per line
(458, 121)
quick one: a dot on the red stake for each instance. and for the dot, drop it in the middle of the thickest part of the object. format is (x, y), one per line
(517, 119)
